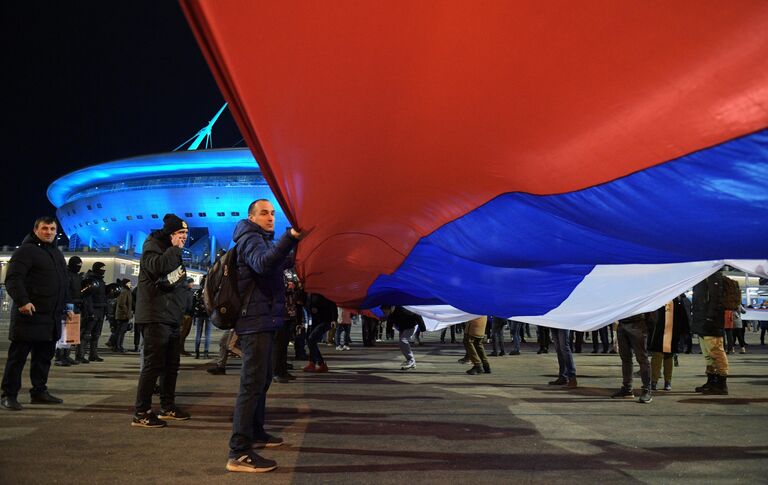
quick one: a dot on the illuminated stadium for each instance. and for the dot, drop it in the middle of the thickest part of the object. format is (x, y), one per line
(115, 205)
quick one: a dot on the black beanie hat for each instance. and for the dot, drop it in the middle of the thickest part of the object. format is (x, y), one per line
(98, 268)
(75, 263)
(173, 223)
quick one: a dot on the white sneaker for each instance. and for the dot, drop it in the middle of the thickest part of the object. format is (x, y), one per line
(339, 348)
(409, 365)
(346, 347)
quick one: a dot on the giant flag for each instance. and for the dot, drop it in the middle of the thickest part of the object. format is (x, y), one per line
(562, 163)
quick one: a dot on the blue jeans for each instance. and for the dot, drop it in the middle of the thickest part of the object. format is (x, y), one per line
(200, 323)
(405, 344)
(561, 340)
(250, 404)
(342, 329)
(315, 334)
(514, 328)
(497, 334)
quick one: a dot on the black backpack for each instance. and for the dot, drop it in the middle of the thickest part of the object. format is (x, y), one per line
(731, 299)
(220, 295)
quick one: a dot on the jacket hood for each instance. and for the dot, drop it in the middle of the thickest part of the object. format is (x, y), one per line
(245, 226)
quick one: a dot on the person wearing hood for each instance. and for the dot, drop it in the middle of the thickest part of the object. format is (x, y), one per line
(158, 315)
(37, 282)
(75, 299)
(260, 266)
(94, 293)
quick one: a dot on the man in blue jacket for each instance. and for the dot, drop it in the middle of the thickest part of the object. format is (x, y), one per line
(260, 265)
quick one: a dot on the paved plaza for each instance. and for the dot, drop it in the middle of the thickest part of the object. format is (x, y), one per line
(368, 422)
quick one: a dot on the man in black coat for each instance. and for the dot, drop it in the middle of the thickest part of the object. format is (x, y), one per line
(37, 283)
(708, 321)
(159, 311)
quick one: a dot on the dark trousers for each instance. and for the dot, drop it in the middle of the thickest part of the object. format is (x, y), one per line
(161, 358)
(603, 335)
(390, 331)
(497, 334)
(729, 340)
(280, 353)
(90, 332)
(452, 328)
(42, 353)
(250, 404)
(122, 327)
(542, 336)
(632, 338)
(370, 328)
(738, 333)
(299, 345)
(579, 337)
(315, 335)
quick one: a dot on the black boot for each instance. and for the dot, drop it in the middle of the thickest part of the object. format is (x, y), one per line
(80, 355)
(719, 387)
(197, 353)
(59, 358)
(93, 355)
(68, 358)
(708, 384)
(476, 369)
(487, 368)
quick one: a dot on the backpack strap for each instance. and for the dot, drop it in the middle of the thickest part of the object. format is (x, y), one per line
(249, 292)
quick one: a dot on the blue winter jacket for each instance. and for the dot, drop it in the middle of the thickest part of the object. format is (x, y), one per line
(262, 261)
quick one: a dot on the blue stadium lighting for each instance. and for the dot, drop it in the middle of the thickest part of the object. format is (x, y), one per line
(117, 204)
(236, 160)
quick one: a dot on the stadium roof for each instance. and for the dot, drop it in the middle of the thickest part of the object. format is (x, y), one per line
(179, 163)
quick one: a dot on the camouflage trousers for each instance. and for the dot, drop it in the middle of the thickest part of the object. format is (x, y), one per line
(714, 355)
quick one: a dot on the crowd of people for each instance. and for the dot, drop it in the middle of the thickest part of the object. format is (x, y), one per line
(49, 292)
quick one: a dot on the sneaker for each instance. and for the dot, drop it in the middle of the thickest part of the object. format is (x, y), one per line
(174, 414)
(268, 441)
(409, 365)
(667, 386)
(309, 367)
(743, 350)
(251, 463)
(217, 371)
(61, 363)
(339, 348)
(559, 381)
(147, 420)
(346, 347)
(464, 360)
(45, 398)
(645, 397)
(653, 386)
(623, 393)
(321, 368)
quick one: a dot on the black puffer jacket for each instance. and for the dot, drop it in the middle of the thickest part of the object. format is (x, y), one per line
(708, 314)
(156, 303)
(37, 274)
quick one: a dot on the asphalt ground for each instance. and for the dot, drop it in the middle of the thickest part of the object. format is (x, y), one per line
(366, 421)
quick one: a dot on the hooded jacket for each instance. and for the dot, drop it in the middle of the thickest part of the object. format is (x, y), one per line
(260, 263)
(37, 274)
(160, 303)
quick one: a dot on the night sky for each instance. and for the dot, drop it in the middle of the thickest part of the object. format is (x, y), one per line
(85, 82)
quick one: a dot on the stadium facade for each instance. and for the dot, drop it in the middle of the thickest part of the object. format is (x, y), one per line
(114, 206)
